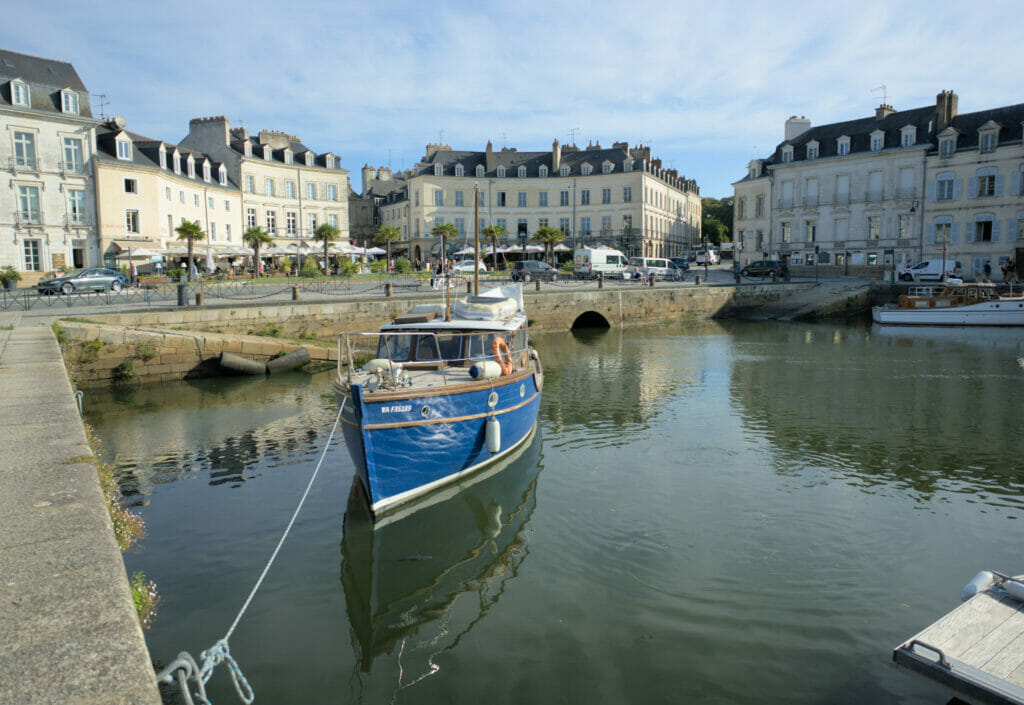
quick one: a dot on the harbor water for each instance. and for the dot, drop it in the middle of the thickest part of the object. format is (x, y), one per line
(715, 513)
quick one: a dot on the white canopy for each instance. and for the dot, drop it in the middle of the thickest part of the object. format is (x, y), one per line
(375, 251)
(140, 253)
(562, 247)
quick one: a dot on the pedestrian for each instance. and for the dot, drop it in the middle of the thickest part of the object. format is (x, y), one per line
(988, 271)
(195, 271)
(1011, 270)
(417, 264)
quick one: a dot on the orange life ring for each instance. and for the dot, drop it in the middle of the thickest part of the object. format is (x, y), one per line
(502, 355)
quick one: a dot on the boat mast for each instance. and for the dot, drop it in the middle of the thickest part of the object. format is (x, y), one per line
(446, 278)
(476, 239)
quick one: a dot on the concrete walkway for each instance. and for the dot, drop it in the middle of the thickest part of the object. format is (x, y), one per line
(68, 630)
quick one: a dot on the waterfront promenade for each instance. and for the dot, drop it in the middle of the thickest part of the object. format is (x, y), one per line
(70, 633)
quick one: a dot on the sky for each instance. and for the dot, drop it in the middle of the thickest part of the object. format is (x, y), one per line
(707, 85)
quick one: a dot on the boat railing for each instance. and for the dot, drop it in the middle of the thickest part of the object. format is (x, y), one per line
(352, 353)
(925, 291)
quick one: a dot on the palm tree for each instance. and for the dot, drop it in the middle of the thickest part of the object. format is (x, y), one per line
(189, 230)
(384, 235)
(446, 230)
(549, 237)
(494, 232)
(256, 237)
(326, 233)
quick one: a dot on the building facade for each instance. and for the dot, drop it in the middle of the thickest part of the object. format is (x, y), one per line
(47, 200)
(146, 188)
(286, 188)
(618, 197)
(885, 191)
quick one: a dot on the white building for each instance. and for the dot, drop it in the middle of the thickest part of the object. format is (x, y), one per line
(882, 191)
(47, 198)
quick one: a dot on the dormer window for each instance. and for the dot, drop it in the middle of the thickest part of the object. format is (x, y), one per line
(586, 170)
(222, 175)
(606, 168)
(206, 172)
(163, 157)
(877, 141)
(191, 167)
(479, 169)
(288, 156)
(787, 154)
(988, 142)
(438, 170)
(267, 152)
(542, 172)
(563, 171)
(459, 170)
(521, 172)
(627, 165)
(947, 146)
(177, 163)
(329, 161)
(20, 94)
(69, 101)
(812, 149)
(501, 172)
(908, 136)
(248, 149)
(124, 149)
(843, 146)
(309, 159)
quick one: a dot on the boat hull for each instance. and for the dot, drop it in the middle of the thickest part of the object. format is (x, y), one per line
(990, 313)
(407, 445)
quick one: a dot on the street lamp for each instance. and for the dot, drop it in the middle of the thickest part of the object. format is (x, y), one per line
(575, 242)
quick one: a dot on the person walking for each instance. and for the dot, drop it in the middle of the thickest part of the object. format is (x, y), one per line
(988, 270)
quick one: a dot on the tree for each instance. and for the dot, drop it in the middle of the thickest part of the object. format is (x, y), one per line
(549, 237)
(494, 232)
(719, 209)
(446, 230)
(713, 230)
(326, 233)
(189, 230)
(384, 235)
(256, 237)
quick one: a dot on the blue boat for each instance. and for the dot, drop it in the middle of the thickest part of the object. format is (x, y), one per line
(437, 394)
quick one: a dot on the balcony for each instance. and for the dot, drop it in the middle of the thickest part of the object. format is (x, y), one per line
(810, 201)
(23, 218)
(73, 168)
(76, 220)
(22, 164)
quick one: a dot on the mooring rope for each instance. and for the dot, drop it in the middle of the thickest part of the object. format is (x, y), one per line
(220, 652)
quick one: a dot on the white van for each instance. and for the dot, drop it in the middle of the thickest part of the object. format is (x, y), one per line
(931, 270)
(660, 267)
(707, 257)
(589, 263)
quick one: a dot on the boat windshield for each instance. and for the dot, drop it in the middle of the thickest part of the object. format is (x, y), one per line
(394, 347)
(449, 345)
(453, 347)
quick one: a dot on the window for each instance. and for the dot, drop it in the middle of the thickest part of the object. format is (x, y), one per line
(874, 227)
(163, 157)
(191, 168)
(811, 192)
(33, 256)
(502, 224)
(944, 187)
(741, 209)
(942, 232)
(227, 206)
(131, 221)
(606, 195)
(28, 204)
(947, 147)
(542, 199)
(269, 187)
(986, 186)
(309, 162)
(250, 184)
(222, 176)
(988, 142)
(479, 169)
(759, 206)
(459, 170)
(627, 165)
(843, 146)
(438, 197)
(76, 206)
(787, 154)
(288, 156)
(311, 191)
(333, 220)
(195, 200)
(585, 226)
(983, 231)
(787, 232)
(312, 223)
(906, 183)
(811, 230)
(19, 93)
(167, 192)
(501, 199)
(606, 224)
(438, 170)
(460, 225)
(291, 223)
(606, 168)
(213, 230)
(627, 194)
(812, 150)
(542, 172)
(332, 192)
(563, 225)
(563, 198)
(416, 195)
(586, 170)
(843, 188)
(501, 172)
(250, 217)
(875, 186)
(177, 163)
(227, 231)
(904, 226)
(483, 200)
(786, 198)
(206, 172)
(522, 199)
(181, 196)
(25, 150)
(271, 223)
(521, 172)
(908, 136)
(585, 197)
(247, 150)
(266, 153)
(563, 171)
(131, 186)
(877, 141)
(459, 198)
(627, 224)
(73, 160)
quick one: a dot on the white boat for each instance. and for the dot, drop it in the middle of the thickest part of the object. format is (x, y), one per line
(953, 304)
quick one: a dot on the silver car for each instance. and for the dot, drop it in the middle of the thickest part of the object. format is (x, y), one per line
(92, 279)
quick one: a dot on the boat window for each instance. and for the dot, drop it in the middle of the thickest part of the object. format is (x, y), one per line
(972, 292)
(426, 348)
(480, 347)
(394, 347)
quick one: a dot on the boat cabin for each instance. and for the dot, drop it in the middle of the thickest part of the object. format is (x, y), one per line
(949, 295)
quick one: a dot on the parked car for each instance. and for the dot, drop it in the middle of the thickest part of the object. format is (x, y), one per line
(92, 279)
(466, 267)
(660, 267)
(681, 262)
(588, 263)
(765, 268)
(528, 270)
(931, 269)
(707, 257)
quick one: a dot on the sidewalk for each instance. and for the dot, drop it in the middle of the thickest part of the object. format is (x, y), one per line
(70, 634)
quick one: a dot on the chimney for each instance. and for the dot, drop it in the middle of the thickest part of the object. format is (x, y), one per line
(945, 109)
(207, 134)
(369, 174)
(491, 163)
(883, 111)
(556, 157)
(796, 126)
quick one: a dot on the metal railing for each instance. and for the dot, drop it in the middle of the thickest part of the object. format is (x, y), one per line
(26, 163)
(21, 217)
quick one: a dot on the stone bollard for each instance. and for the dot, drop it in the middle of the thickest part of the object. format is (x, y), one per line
(696, 280)
(600, 281)
(651, 279)
(183, 294)
(199, 298)
(469, 287)
(536, 285)
(388, 289)
(295, 293)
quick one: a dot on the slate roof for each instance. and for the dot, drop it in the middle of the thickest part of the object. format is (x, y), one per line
(277, 155)
(146, 154)
(512, 159)
(46, 79)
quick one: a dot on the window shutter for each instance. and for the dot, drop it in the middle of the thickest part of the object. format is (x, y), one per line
(954, 234)
(931, 234)
(932, 189)
(1011, 230)
(1015, 183)
(958, 185)
(1000, 179)
(995, 230)
(969, 231)
(972, 187)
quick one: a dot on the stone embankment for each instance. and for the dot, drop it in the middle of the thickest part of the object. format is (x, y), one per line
(70, 633)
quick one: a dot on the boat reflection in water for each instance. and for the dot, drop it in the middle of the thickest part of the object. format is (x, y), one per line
(405, 573)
